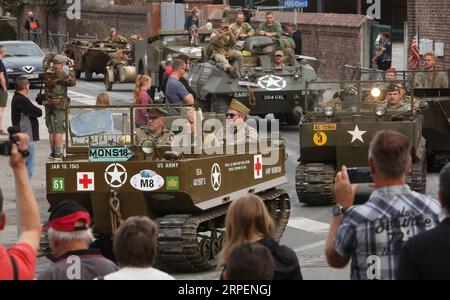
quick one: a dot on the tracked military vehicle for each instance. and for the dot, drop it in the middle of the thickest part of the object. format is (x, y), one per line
(114, 177)
(436, 111)
(262, 87)
(92, 57)
(340, 121)
(153, 54)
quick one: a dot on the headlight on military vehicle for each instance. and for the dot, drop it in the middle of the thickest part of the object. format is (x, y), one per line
(375, 92)
(148, 146)
(328, 111)
(380, 110)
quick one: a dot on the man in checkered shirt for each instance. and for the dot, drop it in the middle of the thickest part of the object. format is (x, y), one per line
(372, 235)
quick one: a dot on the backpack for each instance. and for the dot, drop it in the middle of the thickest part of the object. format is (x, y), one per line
(34, 25)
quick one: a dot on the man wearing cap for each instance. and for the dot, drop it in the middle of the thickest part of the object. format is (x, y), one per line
(114, 37)
(155, 131)
(222, 44)
(56, 82)
(279, 60)
(241, 132)
(395, 102)
(70, 237)
(241, 29)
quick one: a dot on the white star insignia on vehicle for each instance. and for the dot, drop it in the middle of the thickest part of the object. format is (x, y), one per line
(357, 134)
(272, 83)
(216, 177)
(113, 176)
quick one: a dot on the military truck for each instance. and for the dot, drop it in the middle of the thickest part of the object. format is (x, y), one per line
(92, 56)
(340, 121)
(436, 111)
(188, 193)
(261, 86)
(152, 54)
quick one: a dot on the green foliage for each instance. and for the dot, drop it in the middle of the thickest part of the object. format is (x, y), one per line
(16, 7)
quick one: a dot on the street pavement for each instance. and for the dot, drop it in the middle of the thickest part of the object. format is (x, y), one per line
(305, 233)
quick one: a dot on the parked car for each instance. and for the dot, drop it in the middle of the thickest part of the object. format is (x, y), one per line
(23, 58)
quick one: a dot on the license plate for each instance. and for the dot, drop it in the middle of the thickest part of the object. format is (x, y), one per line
(31, 76)
(325, 127)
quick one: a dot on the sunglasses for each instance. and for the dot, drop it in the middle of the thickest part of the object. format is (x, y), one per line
(231, 116)
(278, 55)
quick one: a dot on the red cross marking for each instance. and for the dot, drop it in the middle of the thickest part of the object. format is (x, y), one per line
(85, 181)
(258, 166)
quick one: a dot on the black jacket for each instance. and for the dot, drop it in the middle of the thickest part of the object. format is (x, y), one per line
(191, 22)
(287, 266)
(427, 255)
(297, 37)
(28, 21)
(24, 114)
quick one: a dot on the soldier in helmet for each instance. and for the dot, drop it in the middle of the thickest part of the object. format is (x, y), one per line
(242, 133)
(155, 130)
(396, 103)
(114, 37)
(222, 44)
(56, 82)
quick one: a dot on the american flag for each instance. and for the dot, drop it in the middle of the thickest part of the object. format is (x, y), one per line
(414, 56)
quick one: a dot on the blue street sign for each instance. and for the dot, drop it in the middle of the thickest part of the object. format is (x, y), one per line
(110, 154)
(295, 3)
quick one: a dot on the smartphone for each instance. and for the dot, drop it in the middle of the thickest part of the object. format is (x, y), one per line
(359, 175)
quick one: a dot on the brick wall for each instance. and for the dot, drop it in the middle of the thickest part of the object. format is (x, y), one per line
(432, 17)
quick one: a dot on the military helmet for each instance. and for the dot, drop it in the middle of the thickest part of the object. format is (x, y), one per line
(59, 59)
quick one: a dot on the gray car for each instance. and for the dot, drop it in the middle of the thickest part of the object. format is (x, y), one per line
(23, 58)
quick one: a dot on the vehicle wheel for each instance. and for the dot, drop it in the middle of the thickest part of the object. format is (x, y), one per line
(417, 178)
(292, 119)
(108, 84)
(88, 75)
(219, 104)
(315, 184)
(77, 74)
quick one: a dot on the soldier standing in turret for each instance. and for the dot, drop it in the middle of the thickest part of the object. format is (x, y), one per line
(56, 82)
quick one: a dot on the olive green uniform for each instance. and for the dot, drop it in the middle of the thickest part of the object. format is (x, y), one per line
(163, 138)
(431, 79)
(243, 29)
(276, 27)
(116, 39)
(56, 83)
(222, 45)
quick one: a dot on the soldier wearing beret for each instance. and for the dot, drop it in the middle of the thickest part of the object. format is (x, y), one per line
(56, 83)
(238, 113)
(155, 130)
(394, 101)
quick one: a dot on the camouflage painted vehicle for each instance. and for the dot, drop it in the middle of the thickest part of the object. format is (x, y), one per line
(115, 177)
(340, 121)
(261, 87)
(93, 57)
(436, 112)
(152, 54)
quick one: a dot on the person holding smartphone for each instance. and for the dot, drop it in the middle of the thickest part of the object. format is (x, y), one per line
(372, 235)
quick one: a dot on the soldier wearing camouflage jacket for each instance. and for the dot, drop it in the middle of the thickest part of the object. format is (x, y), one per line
(56, 83)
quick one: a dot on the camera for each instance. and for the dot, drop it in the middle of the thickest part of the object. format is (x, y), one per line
(6, 146)
(359, 175)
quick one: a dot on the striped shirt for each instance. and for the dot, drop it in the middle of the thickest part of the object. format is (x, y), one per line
(374, 234)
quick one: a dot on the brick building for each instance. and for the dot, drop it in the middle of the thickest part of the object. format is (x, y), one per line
(431, 18)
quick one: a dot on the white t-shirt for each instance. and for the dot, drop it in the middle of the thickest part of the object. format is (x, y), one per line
(139, 274)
